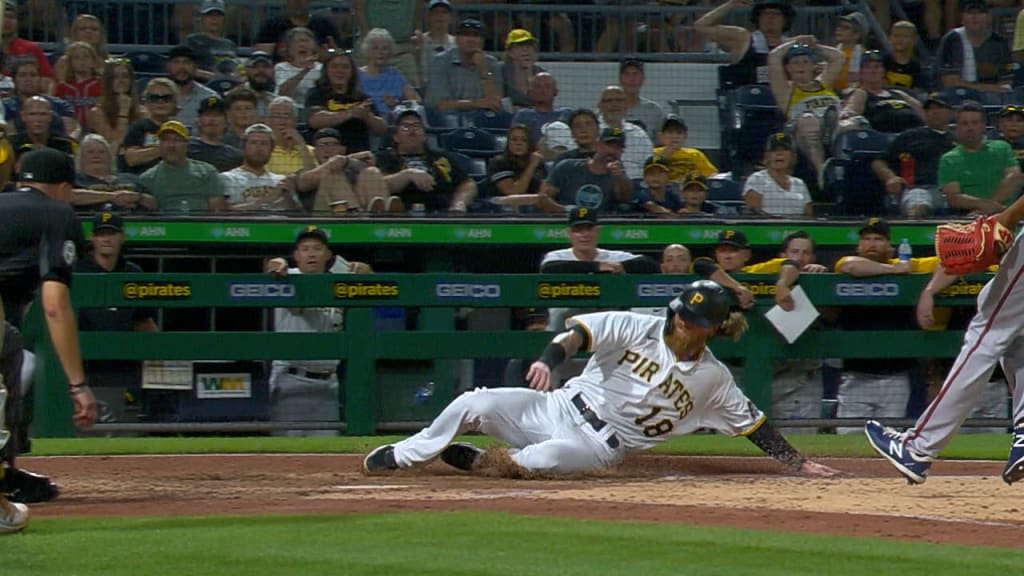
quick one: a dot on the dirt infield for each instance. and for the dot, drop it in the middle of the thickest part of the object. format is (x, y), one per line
(962, 502)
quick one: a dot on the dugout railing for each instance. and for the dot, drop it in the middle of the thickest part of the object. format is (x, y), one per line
(438, 296)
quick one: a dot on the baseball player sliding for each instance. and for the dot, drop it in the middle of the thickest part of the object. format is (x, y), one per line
(649, 379)
(994, 334)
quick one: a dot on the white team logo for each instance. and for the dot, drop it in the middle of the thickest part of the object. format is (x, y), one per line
(69, 252)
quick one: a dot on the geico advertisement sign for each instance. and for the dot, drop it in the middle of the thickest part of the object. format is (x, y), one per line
(243, 290)
(867, 289)
(479, 291)
(659, 290)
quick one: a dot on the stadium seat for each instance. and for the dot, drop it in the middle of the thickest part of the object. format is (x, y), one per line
(752, 117)
(849, 180)
(473, 142)
(724, 190)
(498, 122)
(147, 61)
(222, 85)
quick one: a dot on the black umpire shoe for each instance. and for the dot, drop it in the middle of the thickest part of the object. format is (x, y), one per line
(461, 455)
(26, 487)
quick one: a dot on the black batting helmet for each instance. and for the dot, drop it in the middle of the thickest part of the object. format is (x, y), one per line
(705, 303)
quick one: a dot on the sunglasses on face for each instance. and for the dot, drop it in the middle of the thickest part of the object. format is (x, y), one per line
(117, 60)
(410, 127)
(159, 97)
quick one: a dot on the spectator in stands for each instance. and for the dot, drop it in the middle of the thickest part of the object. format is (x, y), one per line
(851, 32)
(17, 49)
(259, 79)
(575, 138)
(85, 28)
(519, 67)
(291, 152)
(35, 117)
(141, 149)
(875, 106)
(902, 65)
(401, 19)
(807, 99)
(732, 252)
(774, 190)
(97, 183)
(465, 78)
(216, 55)
(179, 183)
(695, 198)
(972, 55)
(342, 183)
(437, 38)
(209, 145)
(598, 184)
(978, 176)
(28, 83)
(241, 105)
(656, 194)
(381, 81)
(612, 108)
(641, 111)
(676, 259)
(296, 76)
(683, 163)
(585, 257)
(909, 169)
(250, 186)
(748, 50)
(81, 86)
(117, 107)
(542, 111)
(181, 68)
(296, 14)
(419, 175)
(521, 168)
(1011, 129)
(336, 101)
(875, 387)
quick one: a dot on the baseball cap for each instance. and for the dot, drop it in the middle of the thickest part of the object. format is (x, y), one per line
(673, 119)
(107, 221)
(1011, 109)
(470, 25)
(857, 20)
(779, 140)
(47, 166)
(733, 237)
(797, 50)
(656, 161)
(876, 225)
(872, 56)
(403, 111)
(311, 232)
(173, 126)
(635, 63)
(613, 135)
(978, 5)
(695, 181)
(519, 36)
(259, 56)
(183, 51)
(214, 103)
(327, 133)
(936, 99)
(582, 215)
(211, 6)
(435, 3)
(528, 313)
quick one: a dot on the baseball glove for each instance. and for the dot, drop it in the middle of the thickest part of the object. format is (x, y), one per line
(971, 248)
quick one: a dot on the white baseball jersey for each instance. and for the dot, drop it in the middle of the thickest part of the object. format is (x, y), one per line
(635, 383)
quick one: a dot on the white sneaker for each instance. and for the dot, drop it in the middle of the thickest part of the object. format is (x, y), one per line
(13, 516)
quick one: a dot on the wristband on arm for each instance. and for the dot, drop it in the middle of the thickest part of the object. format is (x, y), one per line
(553, 355)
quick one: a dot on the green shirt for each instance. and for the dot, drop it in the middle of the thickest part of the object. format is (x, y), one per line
(979, 173)
(196, 183)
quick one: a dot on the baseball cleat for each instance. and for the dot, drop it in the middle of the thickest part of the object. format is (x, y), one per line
(13, 516)
(892, 446)
(461, 455)
(1014, 470)
(26, 487)
(380, 459)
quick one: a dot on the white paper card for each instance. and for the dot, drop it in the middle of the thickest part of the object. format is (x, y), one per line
(792, 324)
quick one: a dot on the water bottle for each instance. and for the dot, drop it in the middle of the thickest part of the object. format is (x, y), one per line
(905, 252)
(423, 394)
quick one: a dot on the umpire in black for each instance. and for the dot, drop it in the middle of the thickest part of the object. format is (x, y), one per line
(40, 239)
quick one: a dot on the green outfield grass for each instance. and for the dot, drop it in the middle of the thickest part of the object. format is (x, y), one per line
(464, 543)
(964, 446)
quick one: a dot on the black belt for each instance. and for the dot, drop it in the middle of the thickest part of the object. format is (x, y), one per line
(593, 419)
(309, 374)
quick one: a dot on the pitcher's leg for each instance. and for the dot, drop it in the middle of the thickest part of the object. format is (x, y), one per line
(517, 416)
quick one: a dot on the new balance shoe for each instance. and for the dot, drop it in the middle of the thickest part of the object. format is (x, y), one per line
(461, 455)
(892, 446)
(380, 459)
(13, 516)
(1014, 470)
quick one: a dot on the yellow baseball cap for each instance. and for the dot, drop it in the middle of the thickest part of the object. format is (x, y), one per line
(518, 36)
(173, 126)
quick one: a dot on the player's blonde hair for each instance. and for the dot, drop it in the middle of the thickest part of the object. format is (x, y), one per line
(734, 326)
